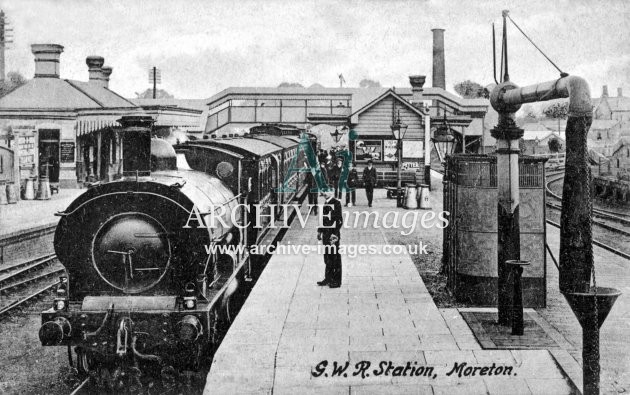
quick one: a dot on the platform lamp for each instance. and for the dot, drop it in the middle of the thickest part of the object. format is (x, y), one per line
(444, 140)
(339, 133)
(398, 131)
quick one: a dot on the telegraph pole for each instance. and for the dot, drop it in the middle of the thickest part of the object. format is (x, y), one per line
(5, 39)
(155, 77)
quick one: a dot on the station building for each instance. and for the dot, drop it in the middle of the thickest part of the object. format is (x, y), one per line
(68, 129)
(369, 112)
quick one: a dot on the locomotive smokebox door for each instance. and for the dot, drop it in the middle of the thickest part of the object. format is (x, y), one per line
(136, 144)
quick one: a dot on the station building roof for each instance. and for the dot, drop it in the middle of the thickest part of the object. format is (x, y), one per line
(61, 94)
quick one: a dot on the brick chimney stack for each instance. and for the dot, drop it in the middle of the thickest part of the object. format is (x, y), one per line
(47, 60)
(106, 71)
(439, 74)
(619, 92)
(605, 91)
(95, 64)
(417, 82)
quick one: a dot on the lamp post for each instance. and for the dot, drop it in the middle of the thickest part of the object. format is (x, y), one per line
(444, 140)
(398, 130)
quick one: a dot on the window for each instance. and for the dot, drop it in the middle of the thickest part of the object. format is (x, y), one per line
(318, 103)
(268, 103)
(242, 103)
(293, 103)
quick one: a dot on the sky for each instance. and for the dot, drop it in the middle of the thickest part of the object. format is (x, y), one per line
(203, 47)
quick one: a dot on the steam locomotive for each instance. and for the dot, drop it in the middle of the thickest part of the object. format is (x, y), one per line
(142, 292)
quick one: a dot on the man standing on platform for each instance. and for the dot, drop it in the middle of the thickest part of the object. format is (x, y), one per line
(334, 175)
(369, 179)
(330, 234)
(353, 180)
(311, 184)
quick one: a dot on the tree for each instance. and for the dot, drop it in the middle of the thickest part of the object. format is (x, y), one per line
(159, 94)
(530, 113)
(14, 80)
(368, 83)
(470, 90)
(554, 145)
(557, 110)
(290, 85)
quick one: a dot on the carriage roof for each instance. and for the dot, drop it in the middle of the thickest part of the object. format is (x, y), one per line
(243, 146)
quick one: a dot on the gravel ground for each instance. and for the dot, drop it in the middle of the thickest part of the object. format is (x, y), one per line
(27, 367)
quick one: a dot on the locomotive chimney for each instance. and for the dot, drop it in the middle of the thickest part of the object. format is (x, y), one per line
(439, 76)
(47, 60)
(136, 144)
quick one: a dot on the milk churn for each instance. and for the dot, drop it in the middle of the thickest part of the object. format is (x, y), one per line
(423, 196)
(43, 189)
(3, 193)
(411, 199)
(29, 189)
(12, 193)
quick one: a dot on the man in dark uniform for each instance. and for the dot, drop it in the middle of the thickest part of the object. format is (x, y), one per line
(369, 179)
(309, 180)
(353, 180)
(334, 175)
(330, 234)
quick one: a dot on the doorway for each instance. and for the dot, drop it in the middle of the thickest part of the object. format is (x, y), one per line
(49, 154)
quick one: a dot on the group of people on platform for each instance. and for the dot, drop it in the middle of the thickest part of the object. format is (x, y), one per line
(332, 172)
(330, 231)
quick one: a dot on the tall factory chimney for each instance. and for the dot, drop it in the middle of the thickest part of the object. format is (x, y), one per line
(439, 76)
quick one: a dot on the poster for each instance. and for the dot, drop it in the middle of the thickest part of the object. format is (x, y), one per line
(369, 149)
(390, 151)
(413, 149)
(67, 151)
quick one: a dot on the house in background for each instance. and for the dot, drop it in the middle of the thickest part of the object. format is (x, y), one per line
(536, 138)
(612, 108)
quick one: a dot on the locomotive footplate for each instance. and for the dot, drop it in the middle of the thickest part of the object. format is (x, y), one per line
(147, 330)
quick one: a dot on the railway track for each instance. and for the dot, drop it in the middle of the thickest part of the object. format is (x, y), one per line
(615, 216)
(25, 281)
(604, 217)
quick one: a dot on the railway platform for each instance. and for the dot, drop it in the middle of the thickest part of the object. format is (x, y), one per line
(379, 333)
(30, 214)
(27, 227)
